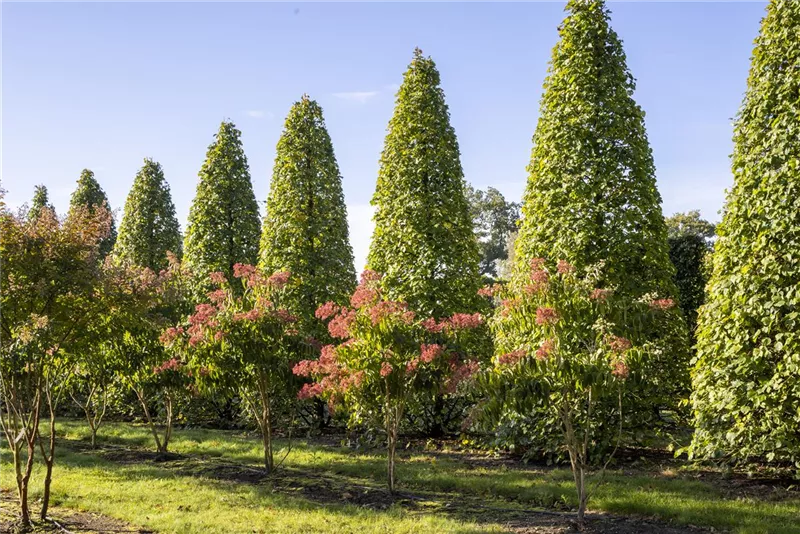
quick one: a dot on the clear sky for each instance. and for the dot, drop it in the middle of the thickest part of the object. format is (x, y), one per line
(103, 85)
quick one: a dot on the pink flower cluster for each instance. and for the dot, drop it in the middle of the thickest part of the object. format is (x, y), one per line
(218, 296)
(243, 270)
(412, 365)
(217, 278)
(428, 353)
(386, 308)
(620, 369)
(170, 365)
(600, 294)
(512, 357)
(464, 321)
(203, 314)
(252, 315)
(279, 280)
(662, 304)
(430, 325)
(310, 390)
(490, 291)
(339, 326)
(565, 267)
(386, 369)
(370, 276)
(618, 344)
(364, 295)
(545, 315)
(170, 335)
(545, 349)
(285, 316)
(459, 374)
(326, 311)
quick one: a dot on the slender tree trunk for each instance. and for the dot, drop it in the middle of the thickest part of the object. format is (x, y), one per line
(266, 421)
(393, 416)
(49, 455)
(168, 429)
(150, 423)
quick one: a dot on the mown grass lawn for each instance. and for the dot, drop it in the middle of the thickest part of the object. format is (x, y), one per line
(207, 489)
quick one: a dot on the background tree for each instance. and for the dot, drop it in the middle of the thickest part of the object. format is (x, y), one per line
(149, 227)
(223, 227)
(494, 219)
(39, 202)
(591, 193)
(305, 228)
(423, 240)
(746, 380)
(689, 249)
(89, 194)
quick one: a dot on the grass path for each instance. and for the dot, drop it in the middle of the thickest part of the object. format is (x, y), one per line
(214, 485)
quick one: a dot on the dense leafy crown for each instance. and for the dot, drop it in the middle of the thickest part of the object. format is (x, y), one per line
(40, 201)
(747, 378)
(591, 192)
(149, 228)
(495, 220)
(305, 229)
(223, 224)
(90, 195)
(423, 240)
(689, 250)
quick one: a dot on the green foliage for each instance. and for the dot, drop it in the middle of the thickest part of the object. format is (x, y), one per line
(223, 224)
(591, 194)
(689, 250)
(305, 227)
(566, 348)
(495, 220)
(149, 229)
(423, 240)
(89, 194)
(747, 375)
(39, 202)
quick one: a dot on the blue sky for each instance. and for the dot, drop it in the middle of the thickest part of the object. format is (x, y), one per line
(103, 85)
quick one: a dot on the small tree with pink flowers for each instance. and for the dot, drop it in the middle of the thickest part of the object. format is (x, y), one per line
(387, 353)
(242, 341)
(566, 351)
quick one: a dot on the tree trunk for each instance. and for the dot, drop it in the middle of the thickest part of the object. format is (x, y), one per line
(393, 416)
(168, 429)
(150, 423)
(49, 456)
(266, 421)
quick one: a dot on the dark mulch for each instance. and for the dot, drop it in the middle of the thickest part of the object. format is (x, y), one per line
(62, 520)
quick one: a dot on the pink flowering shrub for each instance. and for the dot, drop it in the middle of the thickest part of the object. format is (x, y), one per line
(566, 353)
(385, 354)
(244, 342)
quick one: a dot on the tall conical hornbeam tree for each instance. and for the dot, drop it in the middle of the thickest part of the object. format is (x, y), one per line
(89, 194)
(747, 376)
(591, 193)
(423, 240)
(39, 202)
(224, 224)
(149, 228)
(305, 228)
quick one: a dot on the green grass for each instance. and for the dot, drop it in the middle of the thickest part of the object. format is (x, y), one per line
(179, 497)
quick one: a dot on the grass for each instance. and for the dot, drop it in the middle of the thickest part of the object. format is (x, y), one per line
(449, 490)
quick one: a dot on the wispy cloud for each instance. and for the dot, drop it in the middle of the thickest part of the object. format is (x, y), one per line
(356, 96)
(259, 114)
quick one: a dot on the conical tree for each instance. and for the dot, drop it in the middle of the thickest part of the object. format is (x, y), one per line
(591, 195)
(305, 229)
(747, 377)
(40, 201)
(149, 228)
(89, 194)
(423, 241)
(224, 223)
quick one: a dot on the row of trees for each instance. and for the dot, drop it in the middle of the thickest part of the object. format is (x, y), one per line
(582, 348)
